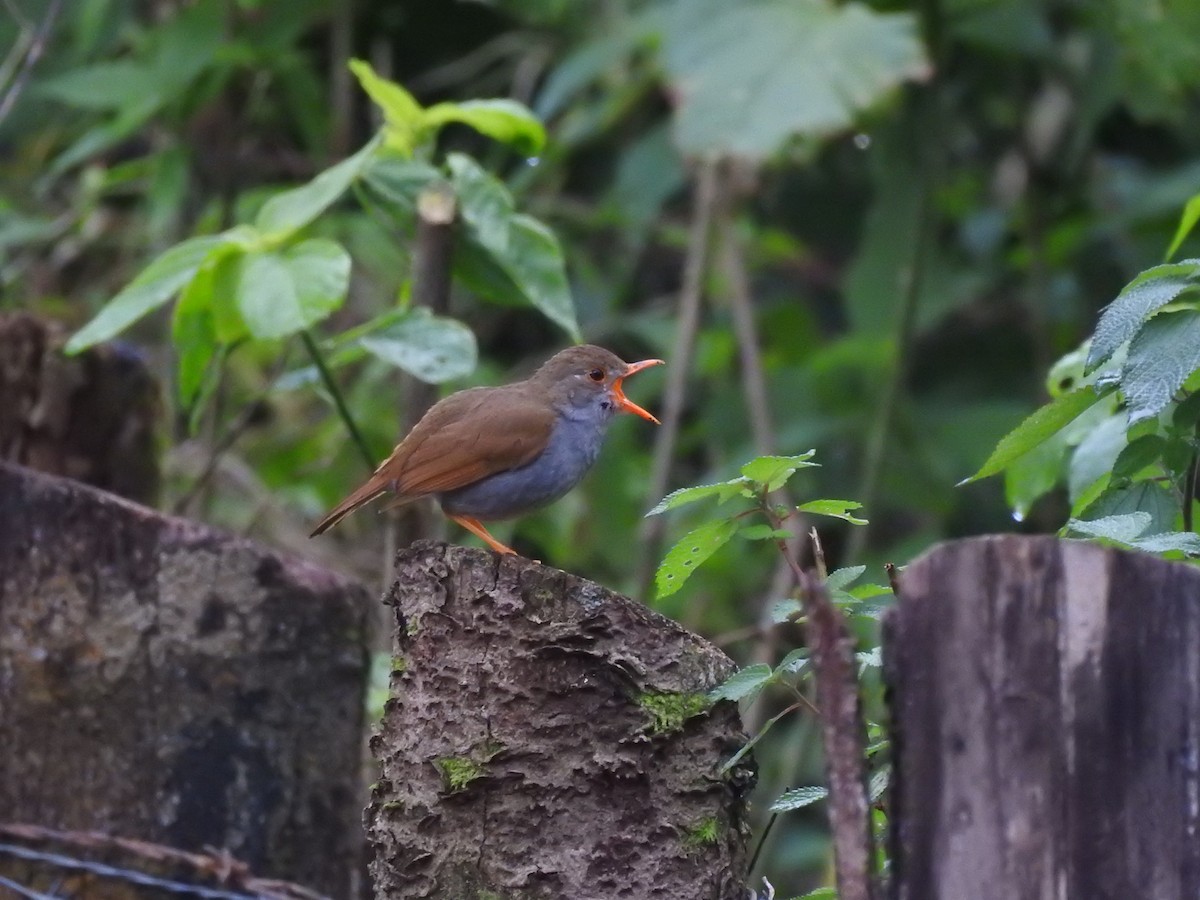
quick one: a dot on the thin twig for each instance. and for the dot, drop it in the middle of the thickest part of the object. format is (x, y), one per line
(818, 554)
(32, 55)
(339, 401)
(690, 294)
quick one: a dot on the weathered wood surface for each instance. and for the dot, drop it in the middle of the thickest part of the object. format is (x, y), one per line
(163, 681)
(91, 417)
(1046, 707)
(547, 738)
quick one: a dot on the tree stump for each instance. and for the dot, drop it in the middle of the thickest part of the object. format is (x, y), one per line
(91, 417)
(546, 738)
(1046, 723)
(162, 681)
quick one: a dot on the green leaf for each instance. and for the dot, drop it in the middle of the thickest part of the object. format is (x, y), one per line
(1124, 528)
(690, 495)
(1095, 455)
(821, 893)
(1187, 221)
(794, 662)
(402, 114)
(689, 553)
(1149, 497)
(747, 76)
(798, 798)
(431, 348)
(506, 121)
(772, 472)
(763, 532)
(1038, 427)
(1161, 357)
(838, 509)
(785, 610)
(1139, 454)
(103, 86)
(743, 683)
(282, 293)
(842, 578)
(1151, 290)
(193, 333)
(154, 286)
(524, 251)
(292, 210)
(1170, 542)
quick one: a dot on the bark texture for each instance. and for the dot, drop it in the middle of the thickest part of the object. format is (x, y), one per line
(547, 738)
(163, 681)
(90, 417)
(1046, 709)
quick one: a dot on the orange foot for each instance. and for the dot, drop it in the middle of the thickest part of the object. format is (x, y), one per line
(476, 528)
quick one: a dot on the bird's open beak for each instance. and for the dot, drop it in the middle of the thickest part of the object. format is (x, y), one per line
(624, 403)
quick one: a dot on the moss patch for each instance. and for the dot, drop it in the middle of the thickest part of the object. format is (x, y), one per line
(458, 771)
(668, 711)
(700, 835)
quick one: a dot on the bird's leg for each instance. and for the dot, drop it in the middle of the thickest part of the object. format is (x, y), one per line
(476, 528)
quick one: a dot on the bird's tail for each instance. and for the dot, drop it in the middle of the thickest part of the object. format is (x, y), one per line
(369, 491)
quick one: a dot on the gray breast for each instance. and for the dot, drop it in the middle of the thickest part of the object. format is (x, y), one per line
(572, 449)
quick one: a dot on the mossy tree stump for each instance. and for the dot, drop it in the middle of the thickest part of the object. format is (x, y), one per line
(547, 738)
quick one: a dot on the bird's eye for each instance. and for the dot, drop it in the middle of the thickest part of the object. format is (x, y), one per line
(596, 374)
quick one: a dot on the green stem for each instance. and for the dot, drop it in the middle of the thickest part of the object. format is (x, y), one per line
(339, 401)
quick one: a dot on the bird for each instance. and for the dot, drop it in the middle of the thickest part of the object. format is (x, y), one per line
(493, 453)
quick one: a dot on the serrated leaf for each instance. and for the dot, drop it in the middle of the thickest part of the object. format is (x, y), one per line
(844, 577)
(1169, 541)
(868, 591)
(686, 556)
(743, 683)
(1138, 454)
(1151, 290)
(153, 287)
(1041, 425)
(747, 76)
(1161, 357)
(432, 348)
(1187, 221)
(1123, 528)
(1147, 496)
(838, 509)
(282, 293)
(772, 472)
(798, 798)
(686, 495)
(292, 210)
(794, 662)
(506, 121)
(784, 610)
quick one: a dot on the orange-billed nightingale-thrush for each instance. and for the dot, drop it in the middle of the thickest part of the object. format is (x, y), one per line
(497, 452)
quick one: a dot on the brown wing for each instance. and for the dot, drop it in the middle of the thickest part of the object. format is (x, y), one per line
(463, 438)
(467, 437)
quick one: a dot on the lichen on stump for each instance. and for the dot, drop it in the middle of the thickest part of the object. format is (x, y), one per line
(547, 738)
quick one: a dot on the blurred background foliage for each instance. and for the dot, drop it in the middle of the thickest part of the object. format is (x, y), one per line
(886, 220)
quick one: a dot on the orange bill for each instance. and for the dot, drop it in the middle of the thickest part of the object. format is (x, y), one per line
(624, 403)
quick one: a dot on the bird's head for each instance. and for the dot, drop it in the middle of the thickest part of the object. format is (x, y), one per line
(590, 377)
